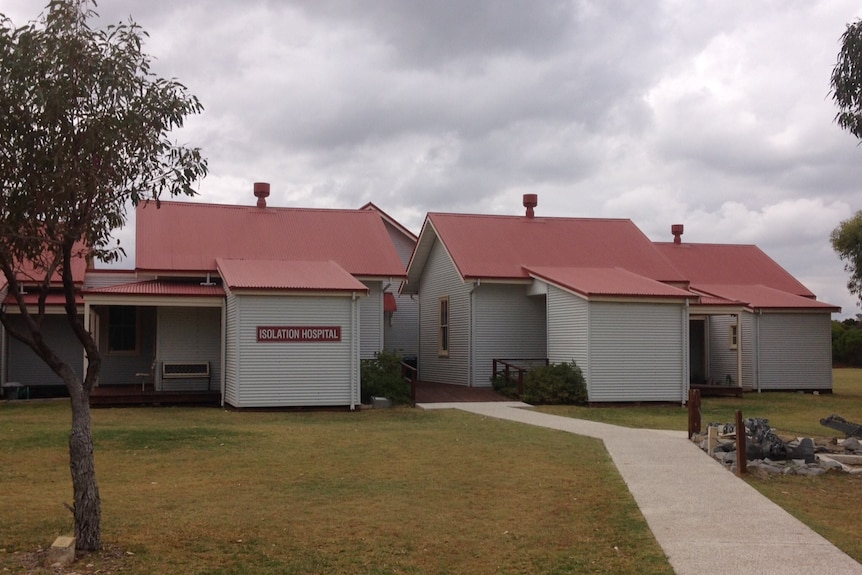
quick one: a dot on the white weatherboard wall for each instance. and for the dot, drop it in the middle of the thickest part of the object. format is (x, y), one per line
(440, 278)
(27, 368)
(568, 329)
(401, 330)
(723, 359)
(638, 352)
(231, 349)
(189, 335)
(795, 351)
(507, 324)
(402, 335)
(371, 320)
(290, 374)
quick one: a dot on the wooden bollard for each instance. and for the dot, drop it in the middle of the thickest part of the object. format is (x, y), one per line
(693, 412)
(741, 454)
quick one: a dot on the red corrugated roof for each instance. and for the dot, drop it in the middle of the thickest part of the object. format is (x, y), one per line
(762, 297)
(392, 221)
(27, 272)
(32, 299)
(484, 246)
(161, 288)
(606, 281)
(287, 275)
(730, 264)
(188, 237)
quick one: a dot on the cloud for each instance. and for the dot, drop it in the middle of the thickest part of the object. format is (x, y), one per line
(715, 114)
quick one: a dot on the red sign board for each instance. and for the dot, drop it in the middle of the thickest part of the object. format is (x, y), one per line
(299, 333)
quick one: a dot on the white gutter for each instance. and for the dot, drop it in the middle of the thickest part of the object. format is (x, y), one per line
(686, 352)
(223, 348)
(354, 356)
(739, 349)
(757, 349)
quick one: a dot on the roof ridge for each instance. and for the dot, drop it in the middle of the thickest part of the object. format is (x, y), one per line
(536, 218)
(253, 207)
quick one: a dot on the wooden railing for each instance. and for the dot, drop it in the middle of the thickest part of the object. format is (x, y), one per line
(514, 369)
(410, 373)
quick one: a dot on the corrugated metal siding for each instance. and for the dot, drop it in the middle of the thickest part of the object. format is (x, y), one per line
(293, 374)
(795, 351)
(231, 349)
(568, 331)
(27, 368)
(120, 368)
(402, 336)
(371, 320)
(189, 335)
(440, 278)
(637, 352)
(507, 324)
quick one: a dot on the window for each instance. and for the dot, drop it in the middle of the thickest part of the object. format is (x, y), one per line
(443, 328)
(122, 328)
(733, 334)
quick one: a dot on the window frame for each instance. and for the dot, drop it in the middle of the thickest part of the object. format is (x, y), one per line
(444, 333)
(110, 328)
(733, 335)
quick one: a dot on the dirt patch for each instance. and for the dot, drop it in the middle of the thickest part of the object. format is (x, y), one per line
(108, 561)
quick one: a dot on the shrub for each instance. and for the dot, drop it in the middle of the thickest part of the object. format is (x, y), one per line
(381, 377)
(505, 386)
(560, 383)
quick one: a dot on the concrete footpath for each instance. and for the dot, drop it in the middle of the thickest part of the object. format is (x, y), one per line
(707, 520)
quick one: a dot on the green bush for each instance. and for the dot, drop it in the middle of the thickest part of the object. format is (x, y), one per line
(560, 383)
(847, 343)
(381, 377)
(505, 386)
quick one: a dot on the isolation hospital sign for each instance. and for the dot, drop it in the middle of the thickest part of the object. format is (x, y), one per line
(298, 333)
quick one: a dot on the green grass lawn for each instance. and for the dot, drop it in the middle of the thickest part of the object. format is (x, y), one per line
(788, 412)
(195, 490)
(198, 490)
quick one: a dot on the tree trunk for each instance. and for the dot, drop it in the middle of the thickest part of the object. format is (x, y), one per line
(88, 505)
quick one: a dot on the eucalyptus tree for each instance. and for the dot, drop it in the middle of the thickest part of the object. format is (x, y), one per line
(846, 84)
(847, 242)
(85, 131)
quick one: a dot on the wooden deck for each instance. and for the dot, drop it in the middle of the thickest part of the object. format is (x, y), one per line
(717, 390)
(448, 393)
(117, 395)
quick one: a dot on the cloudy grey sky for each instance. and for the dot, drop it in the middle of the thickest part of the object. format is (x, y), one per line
(715, 114)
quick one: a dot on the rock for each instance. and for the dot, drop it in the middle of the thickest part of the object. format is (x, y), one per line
(830, 464)
(62, 552)
(852, 444)
(810, 471)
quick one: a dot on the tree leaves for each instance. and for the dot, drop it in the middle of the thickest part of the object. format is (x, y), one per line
(846, 240)
(846, 81)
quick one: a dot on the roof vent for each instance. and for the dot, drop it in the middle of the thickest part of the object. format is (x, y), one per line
(676, 230)
(530, 202)
(261, 192)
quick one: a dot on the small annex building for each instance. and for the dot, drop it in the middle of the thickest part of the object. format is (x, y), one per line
(642, 320)
(266, 306)
(19, 365)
